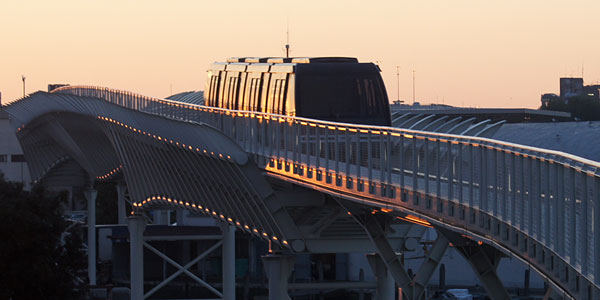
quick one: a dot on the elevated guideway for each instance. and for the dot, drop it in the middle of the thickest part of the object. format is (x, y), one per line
(488, 198)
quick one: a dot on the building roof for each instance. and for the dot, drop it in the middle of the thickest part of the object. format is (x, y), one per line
(576, 138)
(510, 115)
(192, 97)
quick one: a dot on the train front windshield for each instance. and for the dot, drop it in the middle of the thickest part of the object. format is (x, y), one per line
(343, 94)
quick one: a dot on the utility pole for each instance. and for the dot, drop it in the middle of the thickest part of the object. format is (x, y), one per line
(413, 87)
(398, 81)
(23, 78)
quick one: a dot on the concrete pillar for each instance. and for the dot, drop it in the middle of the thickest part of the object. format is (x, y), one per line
(385, 289)
(161, 217)
(278, 269)
(252, 257)
(228, 261)
(90, 195)
(121, 209)
(180, 217)
(137, 225)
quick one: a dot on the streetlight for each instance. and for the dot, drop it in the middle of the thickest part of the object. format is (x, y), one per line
(398, 81)
(413, 87)
(23, 78)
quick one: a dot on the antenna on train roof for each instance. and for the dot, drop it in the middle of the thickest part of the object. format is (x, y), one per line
(287, 43)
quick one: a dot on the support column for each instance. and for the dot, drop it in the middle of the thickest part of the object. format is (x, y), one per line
(137, 225)
(121, 209)
(385, 289)
(90, 195)
(161, 217)
(484, 260)
(228, 261)
(278, 269)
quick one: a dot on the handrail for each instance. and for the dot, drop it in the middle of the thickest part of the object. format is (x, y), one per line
(465, 140)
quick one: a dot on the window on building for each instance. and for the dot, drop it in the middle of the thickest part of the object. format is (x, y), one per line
(17, 158)
(3, 158)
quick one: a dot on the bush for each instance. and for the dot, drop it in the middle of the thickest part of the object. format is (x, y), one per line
(38, 258)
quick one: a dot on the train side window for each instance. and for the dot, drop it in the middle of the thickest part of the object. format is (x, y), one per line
(290, 102)
(264, 91)
(250, 88)
(214, 91)
(232, 97)
(221, 89)
(257, 93)
(275, 98)
(242, 81)
(282, 93)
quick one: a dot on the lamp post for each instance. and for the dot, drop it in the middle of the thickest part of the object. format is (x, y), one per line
(398, 81)
(413, 87)
(23, 78)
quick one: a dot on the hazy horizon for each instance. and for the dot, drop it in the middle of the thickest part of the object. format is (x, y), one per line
(464, 53)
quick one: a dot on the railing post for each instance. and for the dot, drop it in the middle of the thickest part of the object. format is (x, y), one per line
(522, 198)
(438, 162)
(530, 199)
(402, 165)
(596, 229)
(459, 171)
(427, 163)
(450, 171)
(548, 219)
(494, 171)
(573, 219)
(560, 209)
(585, 241)
(504, 182)
(513, 190)
(415, 163)
(483, 187)
(471, 176)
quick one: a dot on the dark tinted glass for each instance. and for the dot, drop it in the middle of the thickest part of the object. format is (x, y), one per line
(344, 97)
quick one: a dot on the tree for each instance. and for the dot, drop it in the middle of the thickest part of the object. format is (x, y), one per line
(38, 259)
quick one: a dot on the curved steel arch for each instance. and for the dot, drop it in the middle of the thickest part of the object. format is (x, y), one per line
(165, 163)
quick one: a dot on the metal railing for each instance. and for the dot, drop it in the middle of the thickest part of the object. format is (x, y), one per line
(550, 197)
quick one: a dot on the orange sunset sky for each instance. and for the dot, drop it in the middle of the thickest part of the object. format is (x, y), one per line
(465, 53)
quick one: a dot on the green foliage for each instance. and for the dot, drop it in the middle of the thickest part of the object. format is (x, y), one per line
(34, 262)
(585, 108)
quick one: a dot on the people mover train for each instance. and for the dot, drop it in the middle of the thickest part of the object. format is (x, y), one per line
(336, 89)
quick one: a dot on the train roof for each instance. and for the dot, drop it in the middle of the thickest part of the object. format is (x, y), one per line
(278, 64)
(295, 60)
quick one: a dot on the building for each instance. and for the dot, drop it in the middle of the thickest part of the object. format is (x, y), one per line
(12, 160)
(570, 87)
(548, 98)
